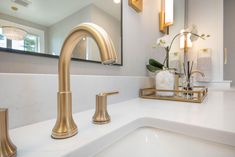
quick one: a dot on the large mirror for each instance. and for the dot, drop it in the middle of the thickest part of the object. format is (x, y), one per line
(39, 27)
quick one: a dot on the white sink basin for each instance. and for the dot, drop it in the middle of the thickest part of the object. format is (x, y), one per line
(151, 142)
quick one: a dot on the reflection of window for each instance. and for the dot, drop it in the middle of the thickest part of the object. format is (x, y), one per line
(30, 43)
(3, 42)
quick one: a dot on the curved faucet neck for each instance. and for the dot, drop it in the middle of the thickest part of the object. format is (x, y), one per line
(65, 60)
(105, 45)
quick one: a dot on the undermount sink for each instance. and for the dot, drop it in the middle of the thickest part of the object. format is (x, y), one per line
(151, 142)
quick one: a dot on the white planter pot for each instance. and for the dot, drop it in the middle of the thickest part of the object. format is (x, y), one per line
(165, 80)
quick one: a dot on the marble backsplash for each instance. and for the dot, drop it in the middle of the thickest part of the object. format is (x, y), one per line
(32, 98)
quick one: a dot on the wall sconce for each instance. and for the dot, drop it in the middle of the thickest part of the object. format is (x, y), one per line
(166, 15)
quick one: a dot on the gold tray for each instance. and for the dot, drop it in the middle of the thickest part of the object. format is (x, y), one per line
(197, 95)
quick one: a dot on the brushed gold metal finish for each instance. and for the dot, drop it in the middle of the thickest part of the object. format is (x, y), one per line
(65, 126)
(137, 5)
(162, 26)
(225, 56)
(7, 148)
(199, 94)
(101, 115)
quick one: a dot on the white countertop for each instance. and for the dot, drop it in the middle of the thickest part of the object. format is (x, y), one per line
(213, 120)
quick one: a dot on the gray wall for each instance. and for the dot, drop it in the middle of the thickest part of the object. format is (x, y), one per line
(140, 32)
(59, 31)
(111, 25)
(207, 15)
(229, 39)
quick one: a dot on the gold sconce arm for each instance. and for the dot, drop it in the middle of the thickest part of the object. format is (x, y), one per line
(162, 26)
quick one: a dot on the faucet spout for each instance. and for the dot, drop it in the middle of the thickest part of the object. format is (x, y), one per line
(65, 126)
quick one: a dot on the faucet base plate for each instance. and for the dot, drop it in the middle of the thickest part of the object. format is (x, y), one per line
(101, 122)
(56, 135)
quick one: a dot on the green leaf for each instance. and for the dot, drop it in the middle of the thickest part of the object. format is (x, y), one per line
(155, 63)
(152, 68)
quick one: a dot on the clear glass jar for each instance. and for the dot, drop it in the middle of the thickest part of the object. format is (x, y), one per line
(187, 85)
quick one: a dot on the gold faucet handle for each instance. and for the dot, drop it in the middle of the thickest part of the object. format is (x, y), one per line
(101, 115)
(108, 94)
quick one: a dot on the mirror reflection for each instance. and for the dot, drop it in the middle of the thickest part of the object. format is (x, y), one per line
(40, 27)
(174, 24)
(180, 13)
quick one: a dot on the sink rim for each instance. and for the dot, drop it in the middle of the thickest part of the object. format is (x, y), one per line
(208, 134)
(158, 141)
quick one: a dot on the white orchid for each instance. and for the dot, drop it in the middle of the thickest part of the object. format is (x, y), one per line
(194, 33)
(193, 29)
(167, 41)
(164, 41)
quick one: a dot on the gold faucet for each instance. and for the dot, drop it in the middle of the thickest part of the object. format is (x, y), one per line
(65, 126)
(7, 148)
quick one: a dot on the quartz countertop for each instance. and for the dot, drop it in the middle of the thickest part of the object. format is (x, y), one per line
(213, 120)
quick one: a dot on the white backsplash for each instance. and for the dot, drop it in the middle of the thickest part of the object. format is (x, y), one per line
(33, 97)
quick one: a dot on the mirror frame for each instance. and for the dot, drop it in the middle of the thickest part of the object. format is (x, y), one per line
(14, 51)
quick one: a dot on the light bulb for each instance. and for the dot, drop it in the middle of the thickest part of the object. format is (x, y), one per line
(169, 12)
(116, 1)
(188, 40)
